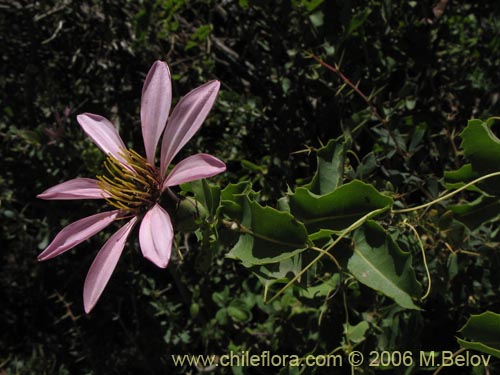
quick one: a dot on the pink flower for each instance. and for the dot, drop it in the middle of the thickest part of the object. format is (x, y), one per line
(134, 184)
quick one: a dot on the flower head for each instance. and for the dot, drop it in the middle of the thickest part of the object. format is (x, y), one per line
(133, 185)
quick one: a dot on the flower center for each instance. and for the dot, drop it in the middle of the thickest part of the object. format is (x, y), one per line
(133, 186)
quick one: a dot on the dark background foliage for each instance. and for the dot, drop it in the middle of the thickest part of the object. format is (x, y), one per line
(427, 74)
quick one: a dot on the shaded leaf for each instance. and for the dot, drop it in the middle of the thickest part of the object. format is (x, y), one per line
(482, 147)
(232, 198)
(268, 235)
(358, 19)
(458, 178)
(379, 263)
(239, 311)
(323, 289)
(330, 169)
(339, 209)
(476, 213)
(282, 272)
(356, 333)
(484, 331)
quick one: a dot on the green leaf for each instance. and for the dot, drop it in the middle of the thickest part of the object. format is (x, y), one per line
(323, 234)
(330, 170)
(207, 194)
(282, 272)
(253, 167)
(458, 178)
(239, 311)
(317, 18)
(482, 148)
(339, 209)
(221, 298)
(379, 263)
(268, 235)
(323, 289)
(311, 4)
(358, 20)
(232, 198)
(484, 331)
(478, 212)
(222, 317)
(356, 333)
(464, 173)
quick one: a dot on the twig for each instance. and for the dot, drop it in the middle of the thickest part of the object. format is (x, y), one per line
(348, 82)
(383, 120)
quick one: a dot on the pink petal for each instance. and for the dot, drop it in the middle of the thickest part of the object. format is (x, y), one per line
(186, 119)
(78, 188)
(155, 106)
(103, 134)
(194, 168)
(77, 232)
(155, 236)
(104, 264)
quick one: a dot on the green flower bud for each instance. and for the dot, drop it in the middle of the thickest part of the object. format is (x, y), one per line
(189, 214)
(194, 310)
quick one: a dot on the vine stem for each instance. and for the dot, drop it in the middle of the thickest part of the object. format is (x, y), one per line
(421, 245)
(344, 233)
(332, 258)
(446, 196)
(440, 368)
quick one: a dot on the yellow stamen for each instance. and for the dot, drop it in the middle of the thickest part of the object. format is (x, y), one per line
(133, 185)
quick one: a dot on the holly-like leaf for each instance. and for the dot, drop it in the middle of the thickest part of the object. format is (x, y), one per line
(484, 331)
(268, 235)
(330, 170)
(232, 198)
(379, 263)
(338, 209)
(482, 147)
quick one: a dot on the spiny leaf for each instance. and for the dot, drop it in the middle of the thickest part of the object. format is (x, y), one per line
(339, 209)
(232, 198)
(482, 147)
(330, 169)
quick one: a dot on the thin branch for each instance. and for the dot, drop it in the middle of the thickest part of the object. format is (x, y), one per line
(383, 120)
(344, 233)
(348, 82)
